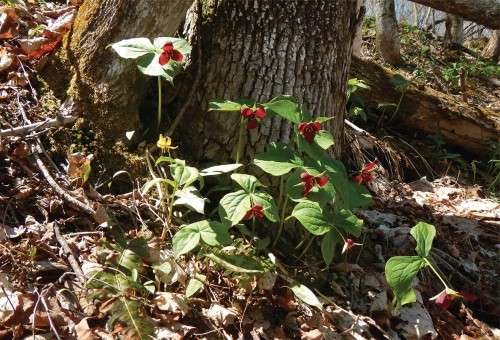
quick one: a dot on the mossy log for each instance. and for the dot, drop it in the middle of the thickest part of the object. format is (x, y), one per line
(468, 127)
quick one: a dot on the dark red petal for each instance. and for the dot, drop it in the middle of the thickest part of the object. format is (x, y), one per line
(168, 47)
(248, 215)
(316, 126)
(367, 177)
(307, 188)
(305, 176)
(370, 166)
(246, 112)
(260, 113)
(358, 179)
(176, 55)
(322, 180)
(164, 59)
(302, 126)
(468, 296)
(444, 300)
(252, 124)
(309, 136)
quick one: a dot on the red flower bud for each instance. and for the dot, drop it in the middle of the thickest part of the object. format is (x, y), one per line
(309, 181)
(365, 175)
(256, 211)
(309, 130)
(251, 115)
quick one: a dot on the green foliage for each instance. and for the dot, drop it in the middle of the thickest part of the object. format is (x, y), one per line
(401, 271)
(210, 232)
(469, 68)
(147, 55)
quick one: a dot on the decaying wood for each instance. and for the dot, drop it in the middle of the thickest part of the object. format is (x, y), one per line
(492, 49)
(484, 12)
(468, 127)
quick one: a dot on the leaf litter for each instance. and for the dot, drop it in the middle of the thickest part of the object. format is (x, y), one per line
(41, 290)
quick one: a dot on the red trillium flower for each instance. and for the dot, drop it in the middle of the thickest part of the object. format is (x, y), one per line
(348, 244)
(256, 211)
(169, 52)
(365, 175)
(309, 181)
(309, 130)
(252, 114)
(446, 297)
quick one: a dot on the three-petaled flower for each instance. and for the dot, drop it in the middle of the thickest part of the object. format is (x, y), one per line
(170, 53)
(365, 175)
(252, 114)
(348, 244)
(309, 181)
(256, 211)
(446, 297)
(309, 130)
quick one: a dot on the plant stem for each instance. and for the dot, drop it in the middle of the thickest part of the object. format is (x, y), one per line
(170, 212)
(159, 104)
(282, 222)
(280, 197)
(397, 107)
(306, 247)
(240, 140)
(435, 272)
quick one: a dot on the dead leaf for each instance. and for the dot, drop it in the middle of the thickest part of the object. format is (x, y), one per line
(51, 37)
(6, 59)
(171, 302)
(83, 331)
(315, 334)
(220, 315)
(8, 22)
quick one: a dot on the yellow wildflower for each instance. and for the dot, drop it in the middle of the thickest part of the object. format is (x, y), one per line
(165, 143)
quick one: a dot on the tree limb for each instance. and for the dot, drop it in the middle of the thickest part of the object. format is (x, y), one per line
(27, 129)
(484, 12)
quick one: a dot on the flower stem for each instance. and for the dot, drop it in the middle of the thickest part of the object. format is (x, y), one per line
(240, 140)
(159, 104)
(436, 272)
(307, 247)
(282, 222)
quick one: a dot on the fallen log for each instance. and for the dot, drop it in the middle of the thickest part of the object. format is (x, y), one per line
(465, 126)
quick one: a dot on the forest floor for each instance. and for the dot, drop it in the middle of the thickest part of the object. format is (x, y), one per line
(54, 231)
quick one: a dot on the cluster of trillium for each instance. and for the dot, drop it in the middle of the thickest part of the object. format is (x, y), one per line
(308, 130)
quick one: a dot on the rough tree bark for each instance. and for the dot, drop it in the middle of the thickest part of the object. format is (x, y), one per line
(454, 33)
(468, 127)
(259, 49)
(492, 49)
(387, 38)
(484, 12)
(107, 89)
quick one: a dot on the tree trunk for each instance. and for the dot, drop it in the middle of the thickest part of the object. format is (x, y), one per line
(492, 49)
(387, 37)
(107, 89)
(471, 128)
(454, 33)
(484, 12)
(258, 49)
(358, 38)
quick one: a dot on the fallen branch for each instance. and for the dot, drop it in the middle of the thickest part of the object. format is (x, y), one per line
(73, 262)
(65, 195)
(27, 129)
